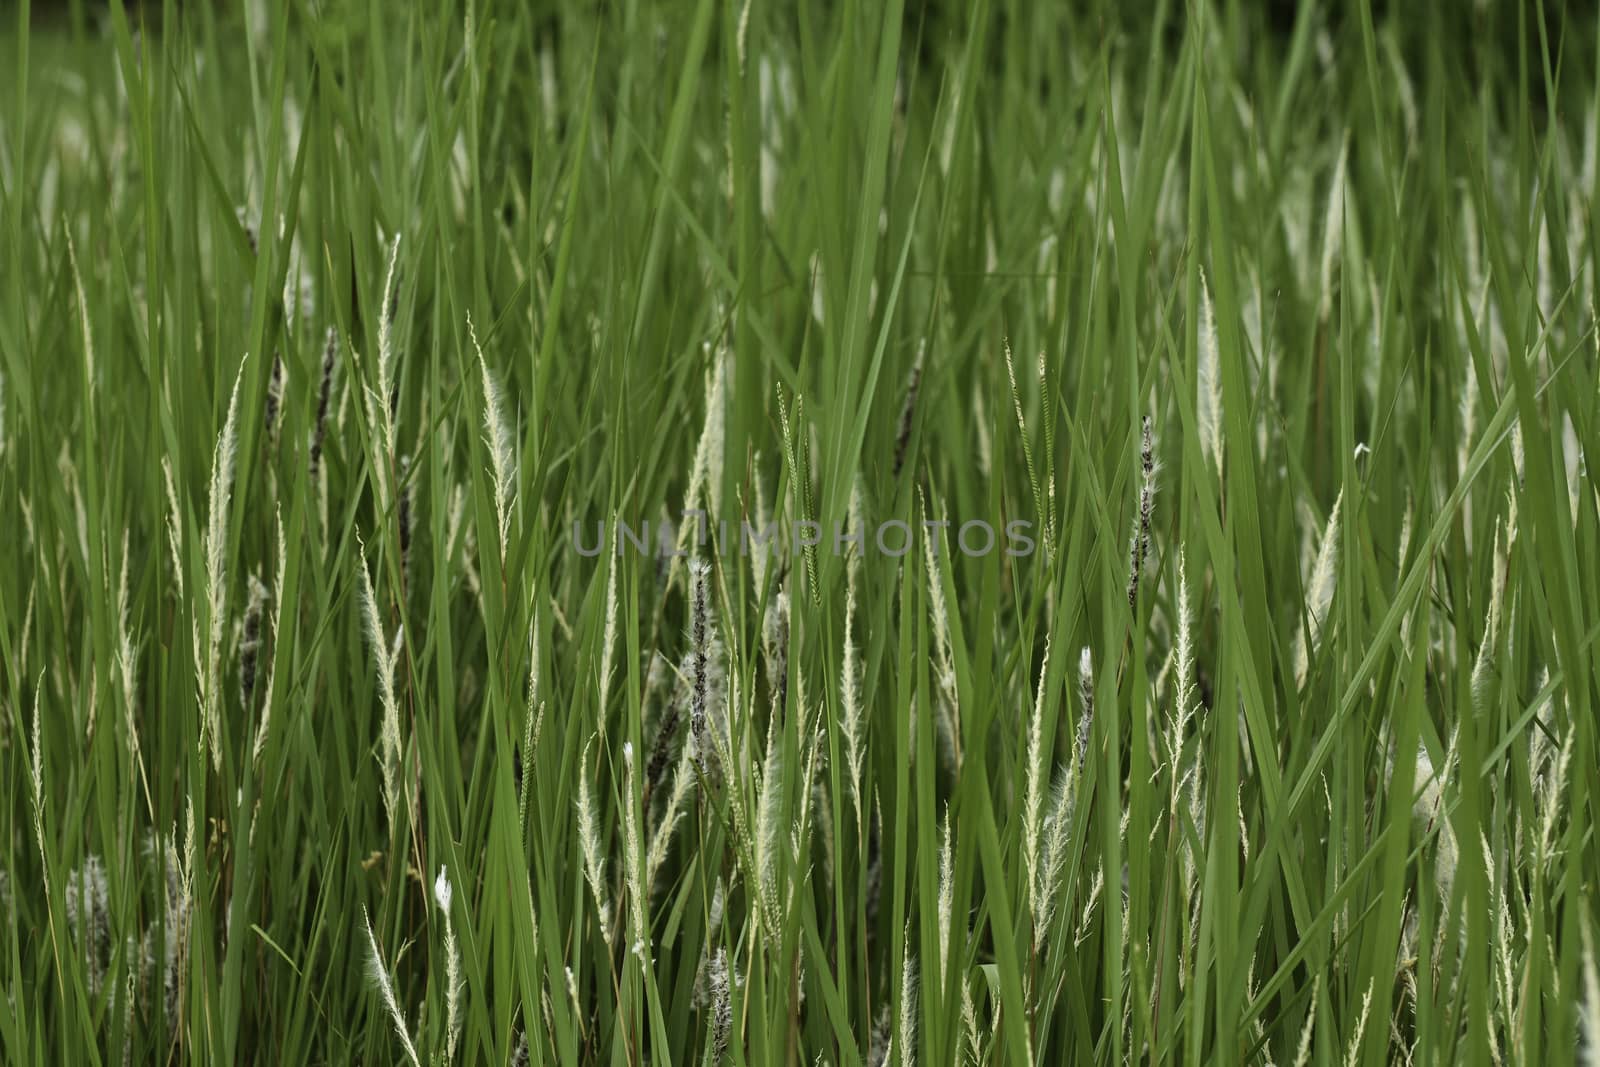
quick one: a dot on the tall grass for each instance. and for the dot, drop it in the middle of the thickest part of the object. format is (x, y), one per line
(325, 738)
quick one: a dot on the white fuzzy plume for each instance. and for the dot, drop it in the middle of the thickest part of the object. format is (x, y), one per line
(1033, 804)
(380, 978)
(209, 664)
(1319, 592)
(387, 659)
(442, 895)
(502, 453)
(1209, 380)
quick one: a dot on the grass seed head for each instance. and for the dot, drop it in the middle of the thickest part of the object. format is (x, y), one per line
(379, 975)
(319, 426)
(1209, 379)
(250, 641)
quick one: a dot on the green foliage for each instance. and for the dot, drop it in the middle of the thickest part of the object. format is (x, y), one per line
(323, 326)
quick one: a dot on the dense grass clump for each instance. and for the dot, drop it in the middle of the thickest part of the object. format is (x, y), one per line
(847, 533)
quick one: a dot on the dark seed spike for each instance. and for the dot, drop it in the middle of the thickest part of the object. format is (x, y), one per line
(324, 399)
(661, 751)
(907, 412)
(1139, 550)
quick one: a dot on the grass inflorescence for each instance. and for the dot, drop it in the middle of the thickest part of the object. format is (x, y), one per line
(1099, 555)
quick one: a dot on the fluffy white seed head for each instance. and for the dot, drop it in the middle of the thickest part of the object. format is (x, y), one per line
(594, 864)
(1033, 803)
(850, 696)
(633, 855)
(1209, 381)
(1302, 1054)
(908, 1003)
(1319, 592)
(442, 892)
(502, 451)
(174, 524)
(387, 659)
(210, 668)
(608, 642)
(947, 888)
(380, 978)
(386, 346)
(1361, 1026)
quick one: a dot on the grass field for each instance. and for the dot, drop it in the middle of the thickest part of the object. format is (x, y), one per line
(1212, 679)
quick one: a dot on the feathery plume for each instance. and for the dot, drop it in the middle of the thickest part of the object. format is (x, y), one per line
(607, 642)
(210, 665)
(383, 402)
(1302, 1056)
(849, 672)
(1319, 592)
(947, 889)
(37, 782)
(633, 855)
(126, 666)
(1086, 698)
(1208, 412)
(1033, 804)
(387, 314)
(174, 524)
(1361, 1026)
(908, 1002)
(948, 707)
(971, 1042)
(1053, 868)
(502, 453)
(766, 843)
(387, 660)
(88, 900)
(380, 978)
(850, 700)
(442, 896)
(594, 864)
(1184, 655)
